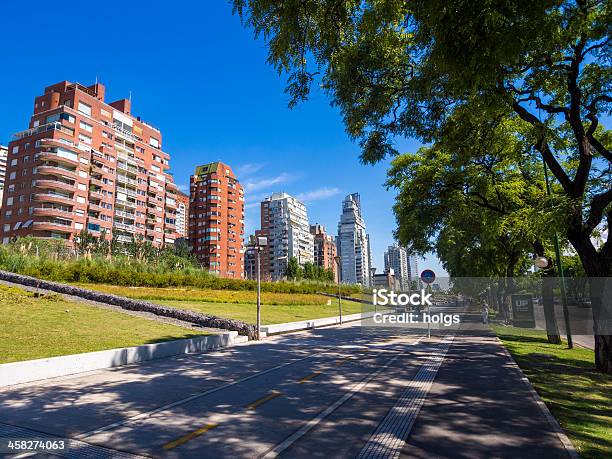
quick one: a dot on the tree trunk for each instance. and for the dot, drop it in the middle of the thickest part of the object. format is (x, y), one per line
(598, 267)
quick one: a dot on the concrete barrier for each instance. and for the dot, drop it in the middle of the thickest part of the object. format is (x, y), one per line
(52, 367)
(313, 323)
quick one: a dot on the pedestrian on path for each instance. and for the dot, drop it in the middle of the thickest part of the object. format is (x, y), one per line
(485, 313)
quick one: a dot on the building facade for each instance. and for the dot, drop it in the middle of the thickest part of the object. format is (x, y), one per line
(324, 249)
(216, 219)
(396, 259)
(284, 221)
(353, 243)
(84, 164)
(182, 214)
(3, 155)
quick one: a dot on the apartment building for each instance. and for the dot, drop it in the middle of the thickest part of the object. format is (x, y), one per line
(284, 221)
(397, 260)
(216, 219)
(353, 243)
(3, 155)
(85, 164)
(182, 214)
(324, 249)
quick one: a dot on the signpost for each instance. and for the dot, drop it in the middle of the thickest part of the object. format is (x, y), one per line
(522, 311)
(428, 277)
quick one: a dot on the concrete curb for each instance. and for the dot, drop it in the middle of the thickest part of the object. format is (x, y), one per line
(52, 367)
(552, 421)
(313, 323)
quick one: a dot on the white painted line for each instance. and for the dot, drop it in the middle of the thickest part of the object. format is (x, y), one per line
(389, 438)
(554, 424)
(274, 452)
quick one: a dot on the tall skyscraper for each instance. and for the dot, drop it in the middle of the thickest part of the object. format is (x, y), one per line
(396, 258)
(85, 164)
(182, 214)
(284, 221)
(3, 154)
(353, 243)
(216, 219)
(324, 249)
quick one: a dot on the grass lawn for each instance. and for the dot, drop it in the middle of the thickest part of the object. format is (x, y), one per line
(579, 397)
(208, 295)
(33, 328)
(270, 314)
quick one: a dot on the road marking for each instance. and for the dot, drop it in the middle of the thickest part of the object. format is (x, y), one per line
(390, 436)
(272, 395)
(309, 377)
(185, 438)
(147, 414)
(341, 361)
(274, 452)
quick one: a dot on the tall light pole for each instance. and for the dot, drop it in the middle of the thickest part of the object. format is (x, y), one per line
(338, 258)
(568, 330)
(259, 243)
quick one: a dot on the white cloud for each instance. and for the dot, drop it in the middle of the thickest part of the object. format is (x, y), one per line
(260, 184)
(183, 188)
(318, 194)
(248, 169)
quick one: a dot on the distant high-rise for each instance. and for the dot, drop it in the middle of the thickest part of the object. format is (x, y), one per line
(87, 165)
(353, 243)
(324, 249)
(182, 214)
(3, 154)
(216, 219)
(398, 259)
(284, 221)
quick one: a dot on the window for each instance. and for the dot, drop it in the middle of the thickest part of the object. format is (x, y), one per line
(85, 139)
(12, 175)
(16, 149)
(86, 127)
(14, 162)
(154, 142)
(84, 108)
(7, 227)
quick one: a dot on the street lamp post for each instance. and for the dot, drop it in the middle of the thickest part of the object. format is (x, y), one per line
(568, 330)
(337, 258)
(259, 243)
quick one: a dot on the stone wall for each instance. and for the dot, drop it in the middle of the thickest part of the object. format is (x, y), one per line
(134, 305)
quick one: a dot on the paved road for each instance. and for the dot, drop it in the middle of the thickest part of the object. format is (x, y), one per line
(335, 392)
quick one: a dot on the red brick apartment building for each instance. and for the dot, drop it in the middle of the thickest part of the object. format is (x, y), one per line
(85, 164)
(216, 219)
(324, 249)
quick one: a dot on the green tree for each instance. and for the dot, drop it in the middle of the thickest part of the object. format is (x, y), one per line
(407, 68)
(294, 270)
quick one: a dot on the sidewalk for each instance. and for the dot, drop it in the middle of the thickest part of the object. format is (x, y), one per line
(480, 407)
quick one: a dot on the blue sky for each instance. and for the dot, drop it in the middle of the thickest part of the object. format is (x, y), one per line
(198, 75)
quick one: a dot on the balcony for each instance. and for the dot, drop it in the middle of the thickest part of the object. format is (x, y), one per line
(121, 202)
(51, 197)
(124, 239)
(53, 184)
(97, 194)
(124, 227)
(124, 179)
(53, 156)
(56, 170)
(55, 126)
(120, 213)
(53, 226)
(51, 212)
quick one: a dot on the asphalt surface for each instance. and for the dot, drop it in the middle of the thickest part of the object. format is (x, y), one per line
(322, 393)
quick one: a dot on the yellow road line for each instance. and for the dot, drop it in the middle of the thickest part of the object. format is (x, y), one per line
(273, 394)
(184, 439)
(309, 377)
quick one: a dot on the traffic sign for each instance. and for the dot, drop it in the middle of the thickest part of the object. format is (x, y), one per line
(428, 276)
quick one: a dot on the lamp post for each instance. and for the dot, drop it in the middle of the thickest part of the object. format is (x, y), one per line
(259, 243)
(337, 258)
(568, 330)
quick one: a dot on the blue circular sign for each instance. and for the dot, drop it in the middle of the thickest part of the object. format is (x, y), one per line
(428, 276)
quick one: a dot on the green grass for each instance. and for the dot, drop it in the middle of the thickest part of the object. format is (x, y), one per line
(208, 295)
(270, 314)
(579, 397)
(34, 328)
